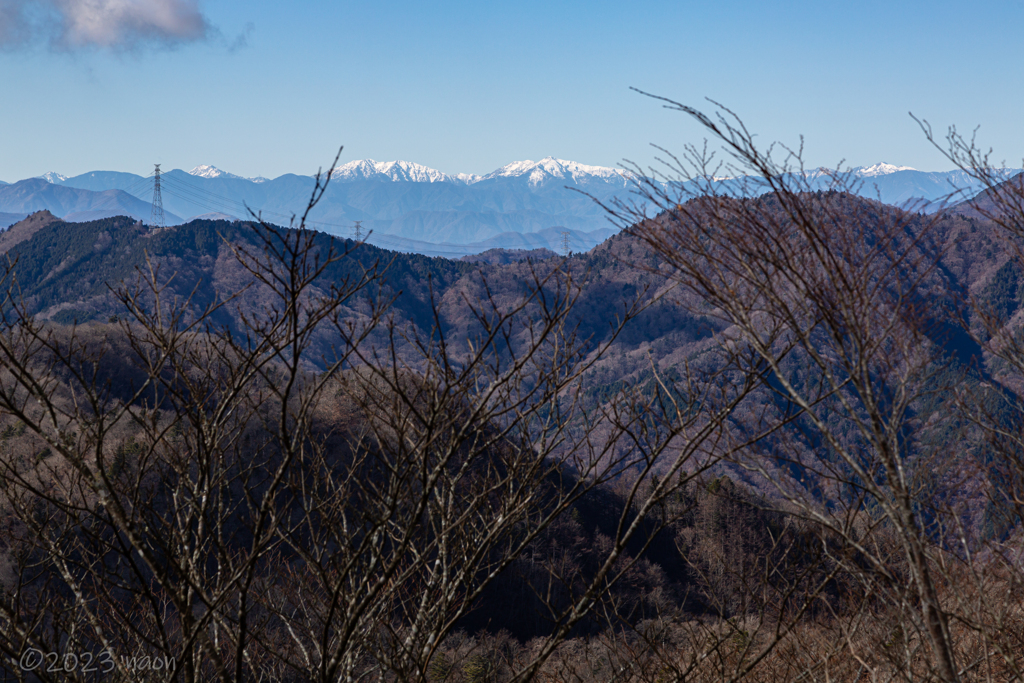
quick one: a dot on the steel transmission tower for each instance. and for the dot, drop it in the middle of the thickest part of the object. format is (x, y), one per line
(359, 230)
(157, 219)
(565, 243)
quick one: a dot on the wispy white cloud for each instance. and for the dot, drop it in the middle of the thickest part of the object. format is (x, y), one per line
(105, 24)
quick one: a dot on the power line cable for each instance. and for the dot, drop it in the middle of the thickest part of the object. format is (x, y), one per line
(200, 190)
(111, 199)
(201, 203)
(201, 194)
(210, 201)
(377, 239)
(194, 193)
(223, 204)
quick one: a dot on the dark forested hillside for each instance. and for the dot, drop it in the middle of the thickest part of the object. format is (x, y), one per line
(715, 441)
(66, 271)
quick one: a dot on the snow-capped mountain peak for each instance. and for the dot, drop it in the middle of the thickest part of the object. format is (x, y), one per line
(206, 171)
(551, 168)
(516, 168)
(393, 170)
(536, 173)
(53, 177)
(879, 169)
(408, 171)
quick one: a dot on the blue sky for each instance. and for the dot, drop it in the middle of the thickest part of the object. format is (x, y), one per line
(265, 88)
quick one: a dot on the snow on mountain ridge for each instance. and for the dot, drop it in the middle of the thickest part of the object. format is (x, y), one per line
(537, 172)
(394, 170)
(550, 167)
(879, 169)
(207, 171)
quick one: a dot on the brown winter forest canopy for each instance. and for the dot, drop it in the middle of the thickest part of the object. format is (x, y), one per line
(771, 437)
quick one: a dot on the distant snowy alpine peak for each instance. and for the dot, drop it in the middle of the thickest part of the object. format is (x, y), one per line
(880, 169)
(53, 177)
(536, 172)
(468, 178)
(539, 171)
(394, 170)
(410, 172)
(355, 170)
(206, 171)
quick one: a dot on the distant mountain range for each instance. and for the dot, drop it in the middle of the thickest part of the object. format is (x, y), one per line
(72, 203)
(411, 207)
(404, 205)
(907, 187)
(901, 186)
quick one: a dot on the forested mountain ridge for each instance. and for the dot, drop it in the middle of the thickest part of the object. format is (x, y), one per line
(710, 476)
(65, 272)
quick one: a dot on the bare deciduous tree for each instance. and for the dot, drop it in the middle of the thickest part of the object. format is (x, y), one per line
(840, 299)
(201, 489)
